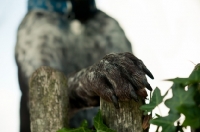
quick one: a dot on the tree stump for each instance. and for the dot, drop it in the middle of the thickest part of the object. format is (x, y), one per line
(48, 100)
(126, 119)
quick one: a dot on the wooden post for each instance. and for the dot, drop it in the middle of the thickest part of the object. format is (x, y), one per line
(126, 119)
(48, 100)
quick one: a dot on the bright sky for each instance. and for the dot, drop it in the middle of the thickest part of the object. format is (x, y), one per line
(164, 33)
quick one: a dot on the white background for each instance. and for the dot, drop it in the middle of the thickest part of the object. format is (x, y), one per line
(165, 34)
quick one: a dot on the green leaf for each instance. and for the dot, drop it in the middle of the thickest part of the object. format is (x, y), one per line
(192, 115)
(195, 75)
(182, 81)
(180, 97)
(157, 115)
(192, 79)
(167, 122)
(182, 101)
(99, 125)
(197, 97)
(155, 100)
(62, 130)
(83, 128)
(197, 67)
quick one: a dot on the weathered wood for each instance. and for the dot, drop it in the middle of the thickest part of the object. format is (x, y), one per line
(48, 100)
(126, 119)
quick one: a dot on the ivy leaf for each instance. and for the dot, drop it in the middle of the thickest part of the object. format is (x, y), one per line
(197, 97)
(155, 100)
(179, 128)
(62, 130)
(192, 79)
(180, 97)
(197, 67)
(157, 115)
(167, 122)
(192, 115)
(195, 75)
(82, 128)
(182, 81)
(99, 125)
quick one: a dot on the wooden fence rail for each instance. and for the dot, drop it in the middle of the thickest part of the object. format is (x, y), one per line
(48, 103)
